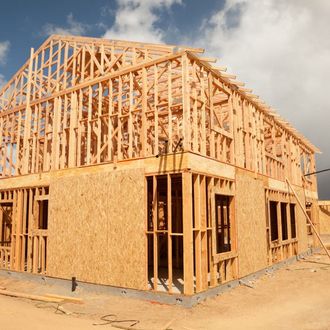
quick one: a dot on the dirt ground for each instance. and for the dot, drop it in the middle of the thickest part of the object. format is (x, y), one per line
(294, 297)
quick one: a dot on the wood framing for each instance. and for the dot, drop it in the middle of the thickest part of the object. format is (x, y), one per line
(142, 165)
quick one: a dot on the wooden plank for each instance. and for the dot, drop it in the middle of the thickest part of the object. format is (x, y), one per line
(64, 155)
(225, 256)
(42, 254)
(186, 129)
(193, 93)
(170, 102)
(197, 232)
(89, 127)
(56, 130)
(24, 229)
(143, 114)
(210, 102)
(156, 111)
(130, 116)
(203, 116)
(35, 242)
(30, 228)
(110, 125)
(72, 135)
(155, 224)
(120, 102)
(212, 238)
(27, 125)
(80, 151)
(73, 300)
(203, 209)
(18, 227)
(188, 261)
(35, 263)
(13, 235)
(30, 296)
(169, 236)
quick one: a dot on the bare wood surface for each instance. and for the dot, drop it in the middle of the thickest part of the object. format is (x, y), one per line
(30, 296)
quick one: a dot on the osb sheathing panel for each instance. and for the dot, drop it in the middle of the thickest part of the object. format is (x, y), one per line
(251, 223)
(324, 218)
(96, 228)
(210, 166)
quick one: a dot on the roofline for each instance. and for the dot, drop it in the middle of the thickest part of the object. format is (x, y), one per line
(98, 80)
(25, 64)
(262, 106)
(118, 42)
(178, 49)
(160, 47)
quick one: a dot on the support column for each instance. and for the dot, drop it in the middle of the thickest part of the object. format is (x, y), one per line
(186, 104)
(188, 261)
(27, 122)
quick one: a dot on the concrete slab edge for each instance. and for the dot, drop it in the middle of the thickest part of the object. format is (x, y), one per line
(159, 297)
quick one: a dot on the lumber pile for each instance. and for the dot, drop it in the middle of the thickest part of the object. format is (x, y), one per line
(46, 298)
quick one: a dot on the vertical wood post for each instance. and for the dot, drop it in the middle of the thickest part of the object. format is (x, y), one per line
(169, 230)
(186, 103)
(27, 124)
(188, 261)
(155, 225)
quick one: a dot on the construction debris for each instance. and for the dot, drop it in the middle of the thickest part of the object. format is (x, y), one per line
(30, 296)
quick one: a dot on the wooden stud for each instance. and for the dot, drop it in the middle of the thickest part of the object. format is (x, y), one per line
(187, 234)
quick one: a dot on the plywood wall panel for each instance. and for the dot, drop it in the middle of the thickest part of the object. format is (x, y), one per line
(324, 217)
(96, 228)
(251, 223)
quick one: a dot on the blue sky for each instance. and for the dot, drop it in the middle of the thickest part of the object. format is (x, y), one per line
(280, 48)
(24, 23)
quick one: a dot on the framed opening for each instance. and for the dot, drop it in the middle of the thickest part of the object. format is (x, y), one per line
(6, 218)
(293, 220)
(23, 229)
(164, 233)
(273, 221)
(43, 215)
(223, 223)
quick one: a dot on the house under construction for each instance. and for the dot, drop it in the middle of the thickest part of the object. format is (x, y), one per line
(143, 166)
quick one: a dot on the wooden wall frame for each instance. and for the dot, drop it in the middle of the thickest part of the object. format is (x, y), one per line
(280, 249)
(82, 101)
(27, 250)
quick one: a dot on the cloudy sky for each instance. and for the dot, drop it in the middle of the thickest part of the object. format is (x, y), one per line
(280, 48)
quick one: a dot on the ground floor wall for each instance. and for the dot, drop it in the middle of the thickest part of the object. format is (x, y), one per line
(178, 223)
(242, 201)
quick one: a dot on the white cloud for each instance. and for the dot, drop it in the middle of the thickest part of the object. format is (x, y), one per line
(4, 48)
(281, 49)
(136, 20)
(73, 27)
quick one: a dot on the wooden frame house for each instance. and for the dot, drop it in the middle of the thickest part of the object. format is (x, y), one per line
(143, 166)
